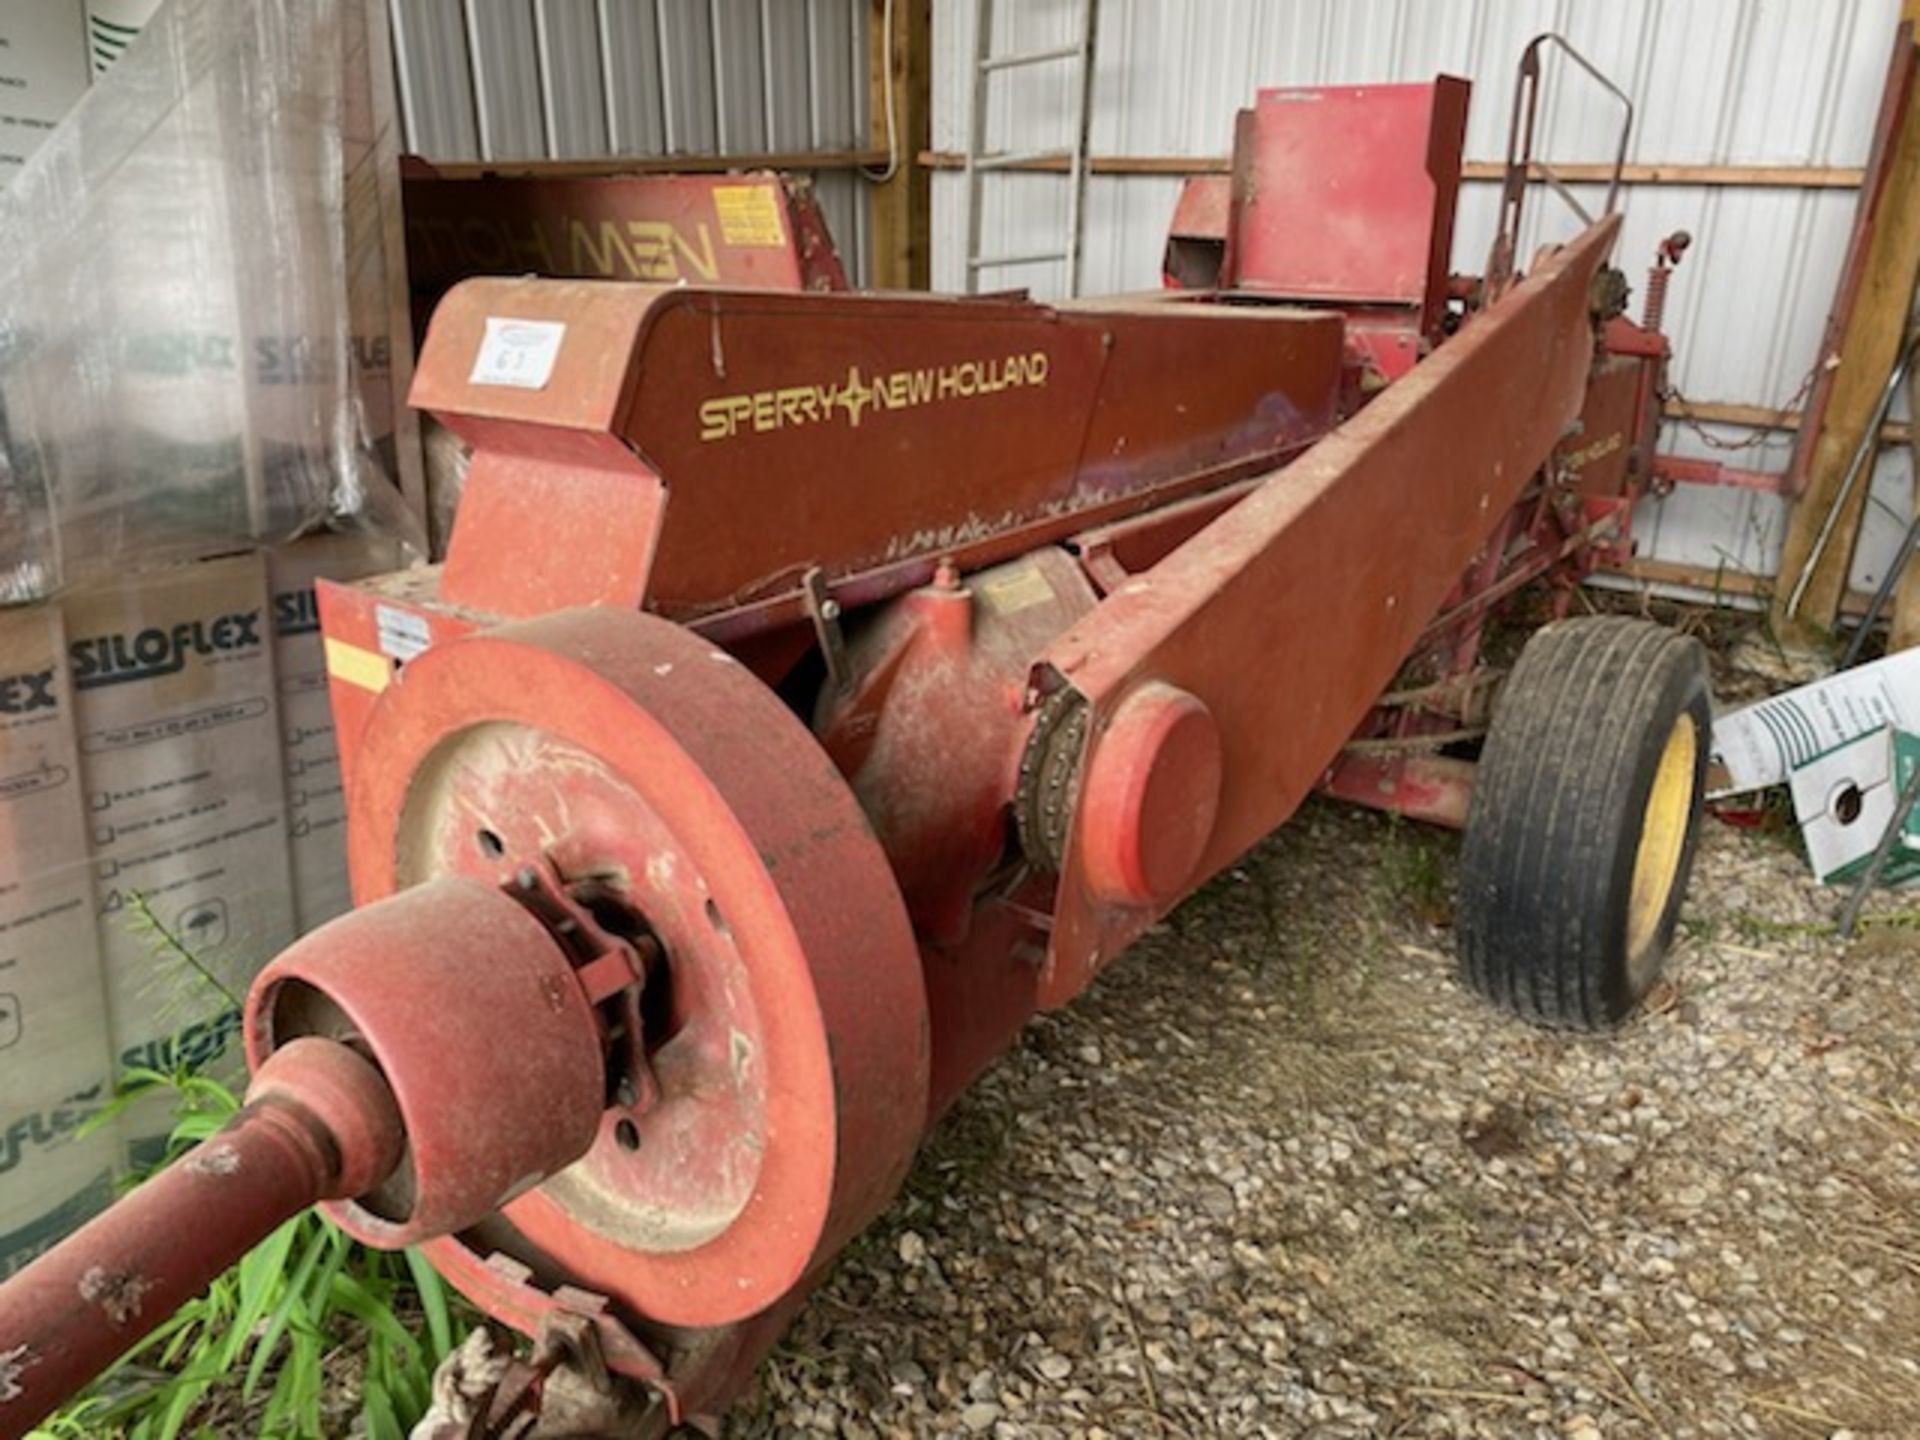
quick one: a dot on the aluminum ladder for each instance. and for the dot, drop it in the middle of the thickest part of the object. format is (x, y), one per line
(981, 162)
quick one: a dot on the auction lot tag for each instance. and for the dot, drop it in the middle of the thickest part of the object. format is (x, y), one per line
(520, 353)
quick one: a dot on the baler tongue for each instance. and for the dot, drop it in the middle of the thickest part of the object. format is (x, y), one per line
(319, 1124)
(340, 1111)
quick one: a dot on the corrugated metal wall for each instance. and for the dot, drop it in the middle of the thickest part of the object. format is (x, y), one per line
(1713, 82)
(578, 79)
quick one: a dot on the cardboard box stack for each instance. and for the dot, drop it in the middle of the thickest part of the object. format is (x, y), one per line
(168, 775)
(1845, 800)
(167, 768)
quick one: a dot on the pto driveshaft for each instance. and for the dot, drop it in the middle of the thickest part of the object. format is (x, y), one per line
(319, 1124)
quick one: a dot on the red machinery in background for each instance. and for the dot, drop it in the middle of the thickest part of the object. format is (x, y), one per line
(757, 229)
(818, 684)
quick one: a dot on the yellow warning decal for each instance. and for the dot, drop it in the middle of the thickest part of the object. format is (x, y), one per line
(354, 666)
(749, 215)
(1012, 591)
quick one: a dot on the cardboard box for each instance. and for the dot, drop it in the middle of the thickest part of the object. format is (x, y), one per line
(1761, 745)
(55, 1067)
(113, 25)
(167, 736)
(43, 72)
(316, 795)
(1845, 799)
(179, 727)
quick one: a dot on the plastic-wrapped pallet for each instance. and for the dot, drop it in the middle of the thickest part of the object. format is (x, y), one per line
(203, 318)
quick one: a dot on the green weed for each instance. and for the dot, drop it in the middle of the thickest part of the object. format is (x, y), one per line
(1417, 870)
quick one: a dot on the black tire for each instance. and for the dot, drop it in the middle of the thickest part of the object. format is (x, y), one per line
(1551, 922)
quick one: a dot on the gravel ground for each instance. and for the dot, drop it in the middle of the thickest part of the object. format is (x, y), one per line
(1278, 1175)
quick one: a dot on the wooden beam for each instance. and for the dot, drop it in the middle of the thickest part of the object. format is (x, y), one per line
(1718, 581)
(1764, 417)
(1895, 91)
(1176, 165)
(1798, 177)
(1695, 577)
(1790, 177)
(1903, 627)
(1875, 329)
(663, 164)
(900, 65)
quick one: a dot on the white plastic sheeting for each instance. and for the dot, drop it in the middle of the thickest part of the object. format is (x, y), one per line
(198, 277)
(1713, 82)
(580, 79)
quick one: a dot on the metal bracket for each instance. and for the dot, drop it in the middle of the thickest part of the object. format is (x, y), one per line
(1903, 809)
(824, 611)
(612, 972)
(567, 1386)
(571, 1342)
(1523, 164)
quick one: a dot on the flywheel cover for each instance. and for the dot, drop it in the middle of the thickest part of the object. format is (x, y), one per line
(635, 757)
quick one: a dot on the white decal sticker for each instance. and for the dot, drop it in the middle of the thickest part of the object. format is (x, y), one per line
(520, 353)
(402, 633)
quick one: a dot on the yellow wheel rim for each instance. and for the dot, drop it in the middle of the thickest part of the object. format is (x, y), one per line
(1663, 836)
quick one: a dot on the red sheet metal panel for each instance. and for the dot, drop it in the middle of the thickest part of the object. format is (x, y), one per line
(1346, 192)
(1365, 534)
(1197, 236)
(865, 435)
(758, 230)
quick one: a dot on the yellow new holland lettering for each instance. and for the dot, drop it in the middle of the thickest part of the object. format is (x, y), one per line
(857, 396)
(645, 250)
